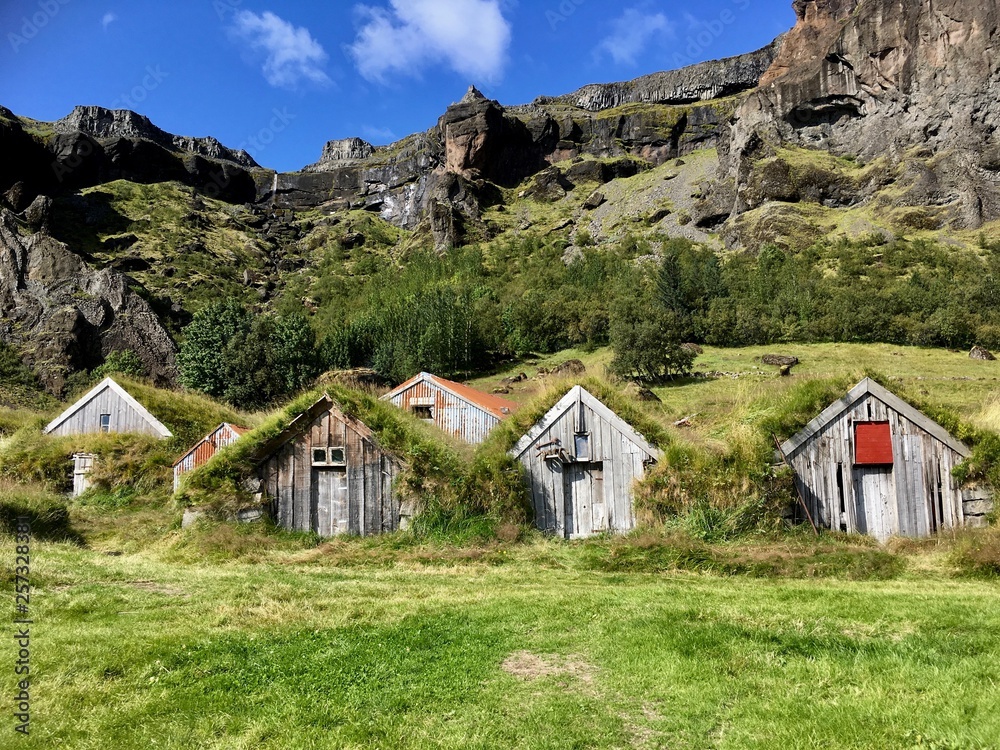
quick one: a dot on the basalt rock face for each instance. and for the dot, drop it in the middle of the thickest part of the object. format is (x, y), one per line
(873, 79)
(485, 144)
(102, 123)
(700, 82)
(94, 145)
(64, 316)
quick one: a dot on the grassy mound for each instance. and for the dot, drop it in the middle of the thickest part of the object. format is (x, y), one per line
(136, 463)
(47, 514)
(433, 473)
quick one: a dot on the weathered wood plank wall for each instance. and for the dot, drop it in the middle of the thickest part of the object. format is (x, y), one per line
(87, 419)
(613, 463)
(920, 496)
(292, 482)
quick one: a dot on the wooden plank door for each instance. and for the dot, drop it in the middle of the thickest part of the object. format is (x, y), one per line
(330, 505)
(914, 505)
(872, 493)
(600, 505)
(586, 509)
(577, 502)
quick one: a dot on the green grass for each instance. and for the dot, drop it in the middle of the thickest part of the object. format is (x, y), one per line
(945, 378)
(526, 646)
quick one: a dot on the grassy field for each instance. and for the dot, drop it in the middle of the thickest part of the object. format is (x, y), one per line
(223, 636)
(200, 641)
(945, 378)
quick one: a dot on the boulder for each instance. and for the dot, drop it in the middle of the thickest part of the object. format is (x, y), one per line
(191, 517)
(693, 348)
(569, 368)
(982, 354)
(549, 186)
(38, 213)
(779, 360)
(640, 393)
(594, 200)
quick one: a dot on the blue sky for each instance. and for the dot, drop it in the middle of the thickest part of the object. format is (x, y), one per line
(280, 79)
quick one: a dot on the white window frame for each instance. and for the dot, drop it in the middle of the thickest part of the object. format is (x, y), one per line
(328, 456)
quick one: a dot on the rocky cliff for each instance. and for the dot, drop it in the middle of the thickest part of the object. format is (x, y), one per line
(93, 145)
(881, 111)
(915, 85)
(63, 316)
(700, 82)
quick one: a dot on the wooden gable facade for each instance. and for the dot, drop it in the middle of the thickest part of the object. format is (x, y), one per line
(873, 464)
(200, 453)
(453, 407)
(580, 462)
(327, 473)
(107, 407)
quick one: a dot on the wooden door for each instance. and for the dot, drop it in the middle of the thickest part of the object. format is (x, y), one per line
(915, 513)
(873, 495)
(330, 506)
(586, 509)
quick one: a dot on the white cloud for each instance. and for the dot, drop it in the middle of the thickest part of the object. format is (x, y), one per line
(469, 36)
(291, 55)
(108, 19)
(631, 33)
(372, 133)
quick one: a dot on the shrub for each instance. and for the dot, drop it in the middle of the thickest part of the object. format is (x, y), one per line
(121, 363)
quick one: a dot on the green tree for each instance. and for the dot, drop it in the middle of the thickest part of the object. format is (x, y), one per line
(206, 346)
(645, 340)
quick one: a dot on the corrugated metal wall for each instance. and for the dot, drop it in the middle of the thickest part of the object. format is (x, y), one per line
(291, 481)
(124, 418)
(210, 445)
(915, 497)
(451, 414)
(623, 464)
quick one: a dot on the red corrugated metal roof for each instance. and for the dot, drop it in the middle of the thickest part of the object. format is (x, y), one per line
(499, 407)
(205, 448)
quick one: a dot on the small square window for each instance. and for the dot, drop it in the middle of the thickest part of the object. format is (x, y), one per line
(105, 423)
(423, 412)
(328, 457)
(582, 446)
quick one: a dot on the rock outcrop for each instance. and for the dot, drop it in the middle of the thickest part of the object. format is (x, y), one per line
(883, 79)
(694, 83)
(94, 145)
(112, 124)
(340, 152)
(64, 316)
